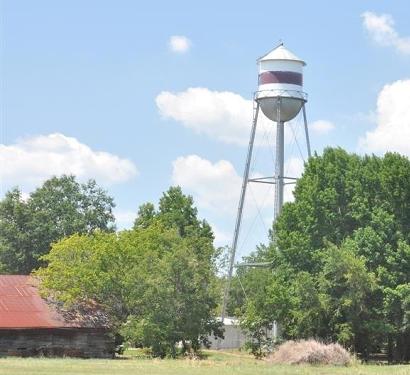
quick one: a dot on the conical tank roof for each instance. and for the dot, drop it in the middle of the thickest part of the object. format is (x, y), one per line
(280, 53)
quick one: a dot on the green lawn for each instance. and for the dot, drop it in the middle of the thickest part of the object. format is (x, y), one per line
(215, 364)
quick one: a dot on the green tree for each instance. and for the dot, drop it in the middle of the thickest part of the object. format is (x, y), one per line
(16, 252)
(59, 208)
(341, 252)
(146, 215)
(157, 282)
(177, 211)
(347, 290)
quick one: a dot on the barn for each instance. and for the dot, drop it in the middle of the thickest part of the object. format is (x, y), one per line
(31, 325)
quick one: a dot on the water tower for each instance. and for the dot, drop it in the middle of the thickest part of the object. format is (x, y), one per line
(280, 96)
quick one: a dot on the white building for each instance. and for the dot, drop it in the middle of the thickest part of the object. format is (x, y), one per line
(235, 338)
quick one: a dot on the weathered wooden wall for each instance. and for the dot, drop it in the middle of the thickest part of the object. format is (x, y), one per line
(78, 342)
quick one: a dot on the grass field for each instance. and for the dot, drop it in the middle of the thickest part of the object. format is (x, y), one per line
(215, 364)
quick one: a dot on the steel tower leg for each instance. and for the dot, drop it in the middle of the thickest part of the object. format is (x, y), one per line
(279, 163)
(306, 130)
(240, 210)
(280, 183)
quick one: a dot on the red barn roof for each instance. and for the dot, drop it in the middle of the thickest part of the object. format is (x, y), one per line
(21, 306)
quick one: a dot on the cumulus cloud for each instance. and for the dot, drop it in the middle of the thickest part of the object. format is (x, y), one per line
(216, 186)
(222, 238)
(222, 115)
(392, 132)
(321, 127)
(293, 168)
(30, 161)
(124, 218)
(381, 30)
(179, 43)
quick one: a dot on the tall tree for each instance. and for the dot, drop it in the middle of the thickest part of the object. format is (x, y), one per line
(341, 251)
(176, 210)
(59, 208)
(146, 216)
(157, 282)
(16, 245)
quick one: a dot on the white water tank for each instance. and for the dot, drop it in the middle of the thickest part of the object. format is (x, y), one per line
(280, 84)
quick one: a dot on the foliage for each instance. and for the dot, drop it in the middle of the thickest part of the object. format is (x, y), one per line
(341, 255)
(59, 208)
(259, 342)
(157, 281)
(176, 210)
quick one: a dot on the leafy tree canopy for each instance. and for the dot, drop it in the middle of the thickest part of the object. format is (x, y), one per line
(176, 210)
(157, 281)
(59, 208)
(341, 256)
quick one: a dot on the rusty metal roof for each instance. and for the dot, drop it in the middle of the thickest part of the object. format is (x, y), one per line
(22, 307)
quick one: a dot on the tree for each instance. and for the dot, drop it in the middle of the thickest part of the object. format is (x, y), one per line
(16, 252)
(176, 210)
(157, 282)
(146, 216)
(59, 208)
(347, 289)
(341, 252)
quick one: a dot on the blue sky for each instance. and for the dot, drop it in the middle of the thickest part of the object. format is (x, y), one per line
(96, 89)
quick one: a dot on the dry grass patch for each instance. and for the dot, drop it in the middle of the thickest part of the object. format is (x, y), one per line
(311, 352)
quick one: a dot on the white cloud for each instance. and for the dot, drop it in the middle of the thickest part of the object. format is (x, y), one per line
(179, 43)
(25, 196)
(223, 115)
(216, 186)
(221, 238)
(321, 127)
(30, 161)
(124, 219)
(293, 168)
(381, 30)
(392, 132)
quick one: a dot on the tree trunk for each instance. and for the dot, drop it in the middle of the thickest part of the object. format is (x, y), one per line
(390, 349)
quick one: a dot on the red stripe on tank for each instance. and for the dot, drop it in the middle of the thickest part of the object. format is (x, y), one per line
(292, 78)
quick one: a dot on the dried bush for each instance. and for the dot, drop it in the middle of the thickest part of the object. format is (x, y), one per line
(311, 352)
